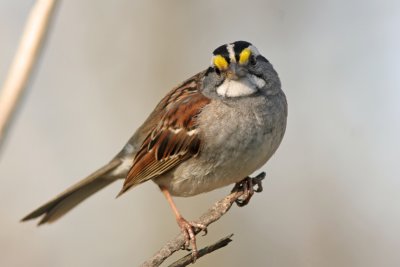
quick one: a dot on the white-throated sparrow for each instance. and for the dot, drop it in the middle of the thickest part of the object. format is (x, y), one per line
(214, 129)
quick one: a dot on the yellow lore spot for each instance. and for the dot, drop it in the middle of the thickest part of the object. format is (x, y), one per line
(220, 62)
(244, 56)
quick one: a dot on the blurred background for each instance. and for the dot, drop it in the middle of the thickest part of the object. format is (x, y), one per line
(331, 197)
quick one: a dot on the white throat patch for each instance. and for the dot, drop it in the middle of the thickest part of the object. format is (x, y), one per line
(245, 86)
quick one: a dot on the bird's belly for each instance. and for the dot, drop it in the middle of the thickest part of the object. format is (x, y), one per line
(229, 155)
(199, 175)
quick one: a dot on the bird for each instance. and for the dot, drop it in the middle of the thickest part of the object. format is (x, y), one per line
(212, 130)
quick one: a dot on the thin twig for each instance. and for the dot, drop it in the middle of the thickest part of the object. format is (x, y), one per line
(24, 61)
(204, 251)
(212, 215)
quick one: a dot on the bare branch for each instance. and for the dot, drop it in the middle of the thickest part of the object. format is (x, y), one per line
(204, 251)
(212, 215)
(24, 61)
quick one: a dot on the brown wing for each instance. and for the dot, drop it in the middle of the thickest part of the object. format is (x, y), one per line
(174, 139)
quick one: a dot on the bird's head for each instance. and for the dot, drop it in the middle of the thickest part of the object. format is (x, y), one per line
(238, 69)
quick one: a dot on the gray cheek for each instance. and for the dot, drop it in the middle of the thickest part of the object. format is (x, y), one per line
(210, 80)
(210, 83)
(257, 82)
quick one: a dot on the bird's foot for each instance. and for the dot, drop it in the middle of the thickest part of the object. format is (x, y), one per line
(188, 230)
(247, 187)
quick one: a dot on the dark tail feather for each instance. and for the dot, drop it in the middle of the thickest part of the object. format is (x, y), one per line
(74, 195)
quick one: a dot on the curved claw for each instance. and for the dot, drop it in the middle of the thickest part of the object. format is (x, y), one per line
(187, 229)
(201, 226)
(247, 187)
(258, 181)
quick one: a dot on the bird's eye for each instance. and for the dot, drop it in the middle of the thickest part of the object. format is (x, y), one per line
(217, 71)
(252, 60)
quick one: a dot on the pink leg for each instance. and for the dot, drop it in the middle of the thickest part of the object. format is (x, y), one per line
(187, 227)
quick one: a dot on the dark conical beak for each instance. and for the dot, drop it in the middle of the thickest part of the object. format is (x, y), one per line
(235, 72)
(231, 75)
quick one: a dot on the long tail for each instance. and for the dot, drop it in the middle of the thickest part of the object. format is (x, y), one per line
(77, 193)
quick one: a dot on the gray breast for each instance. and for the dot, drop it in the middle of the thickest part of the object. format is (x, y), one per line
(243, 128)
(238, 137)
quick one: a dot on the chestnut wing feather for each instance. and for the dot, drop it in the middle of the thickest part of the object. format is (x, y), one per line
(174, 139)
